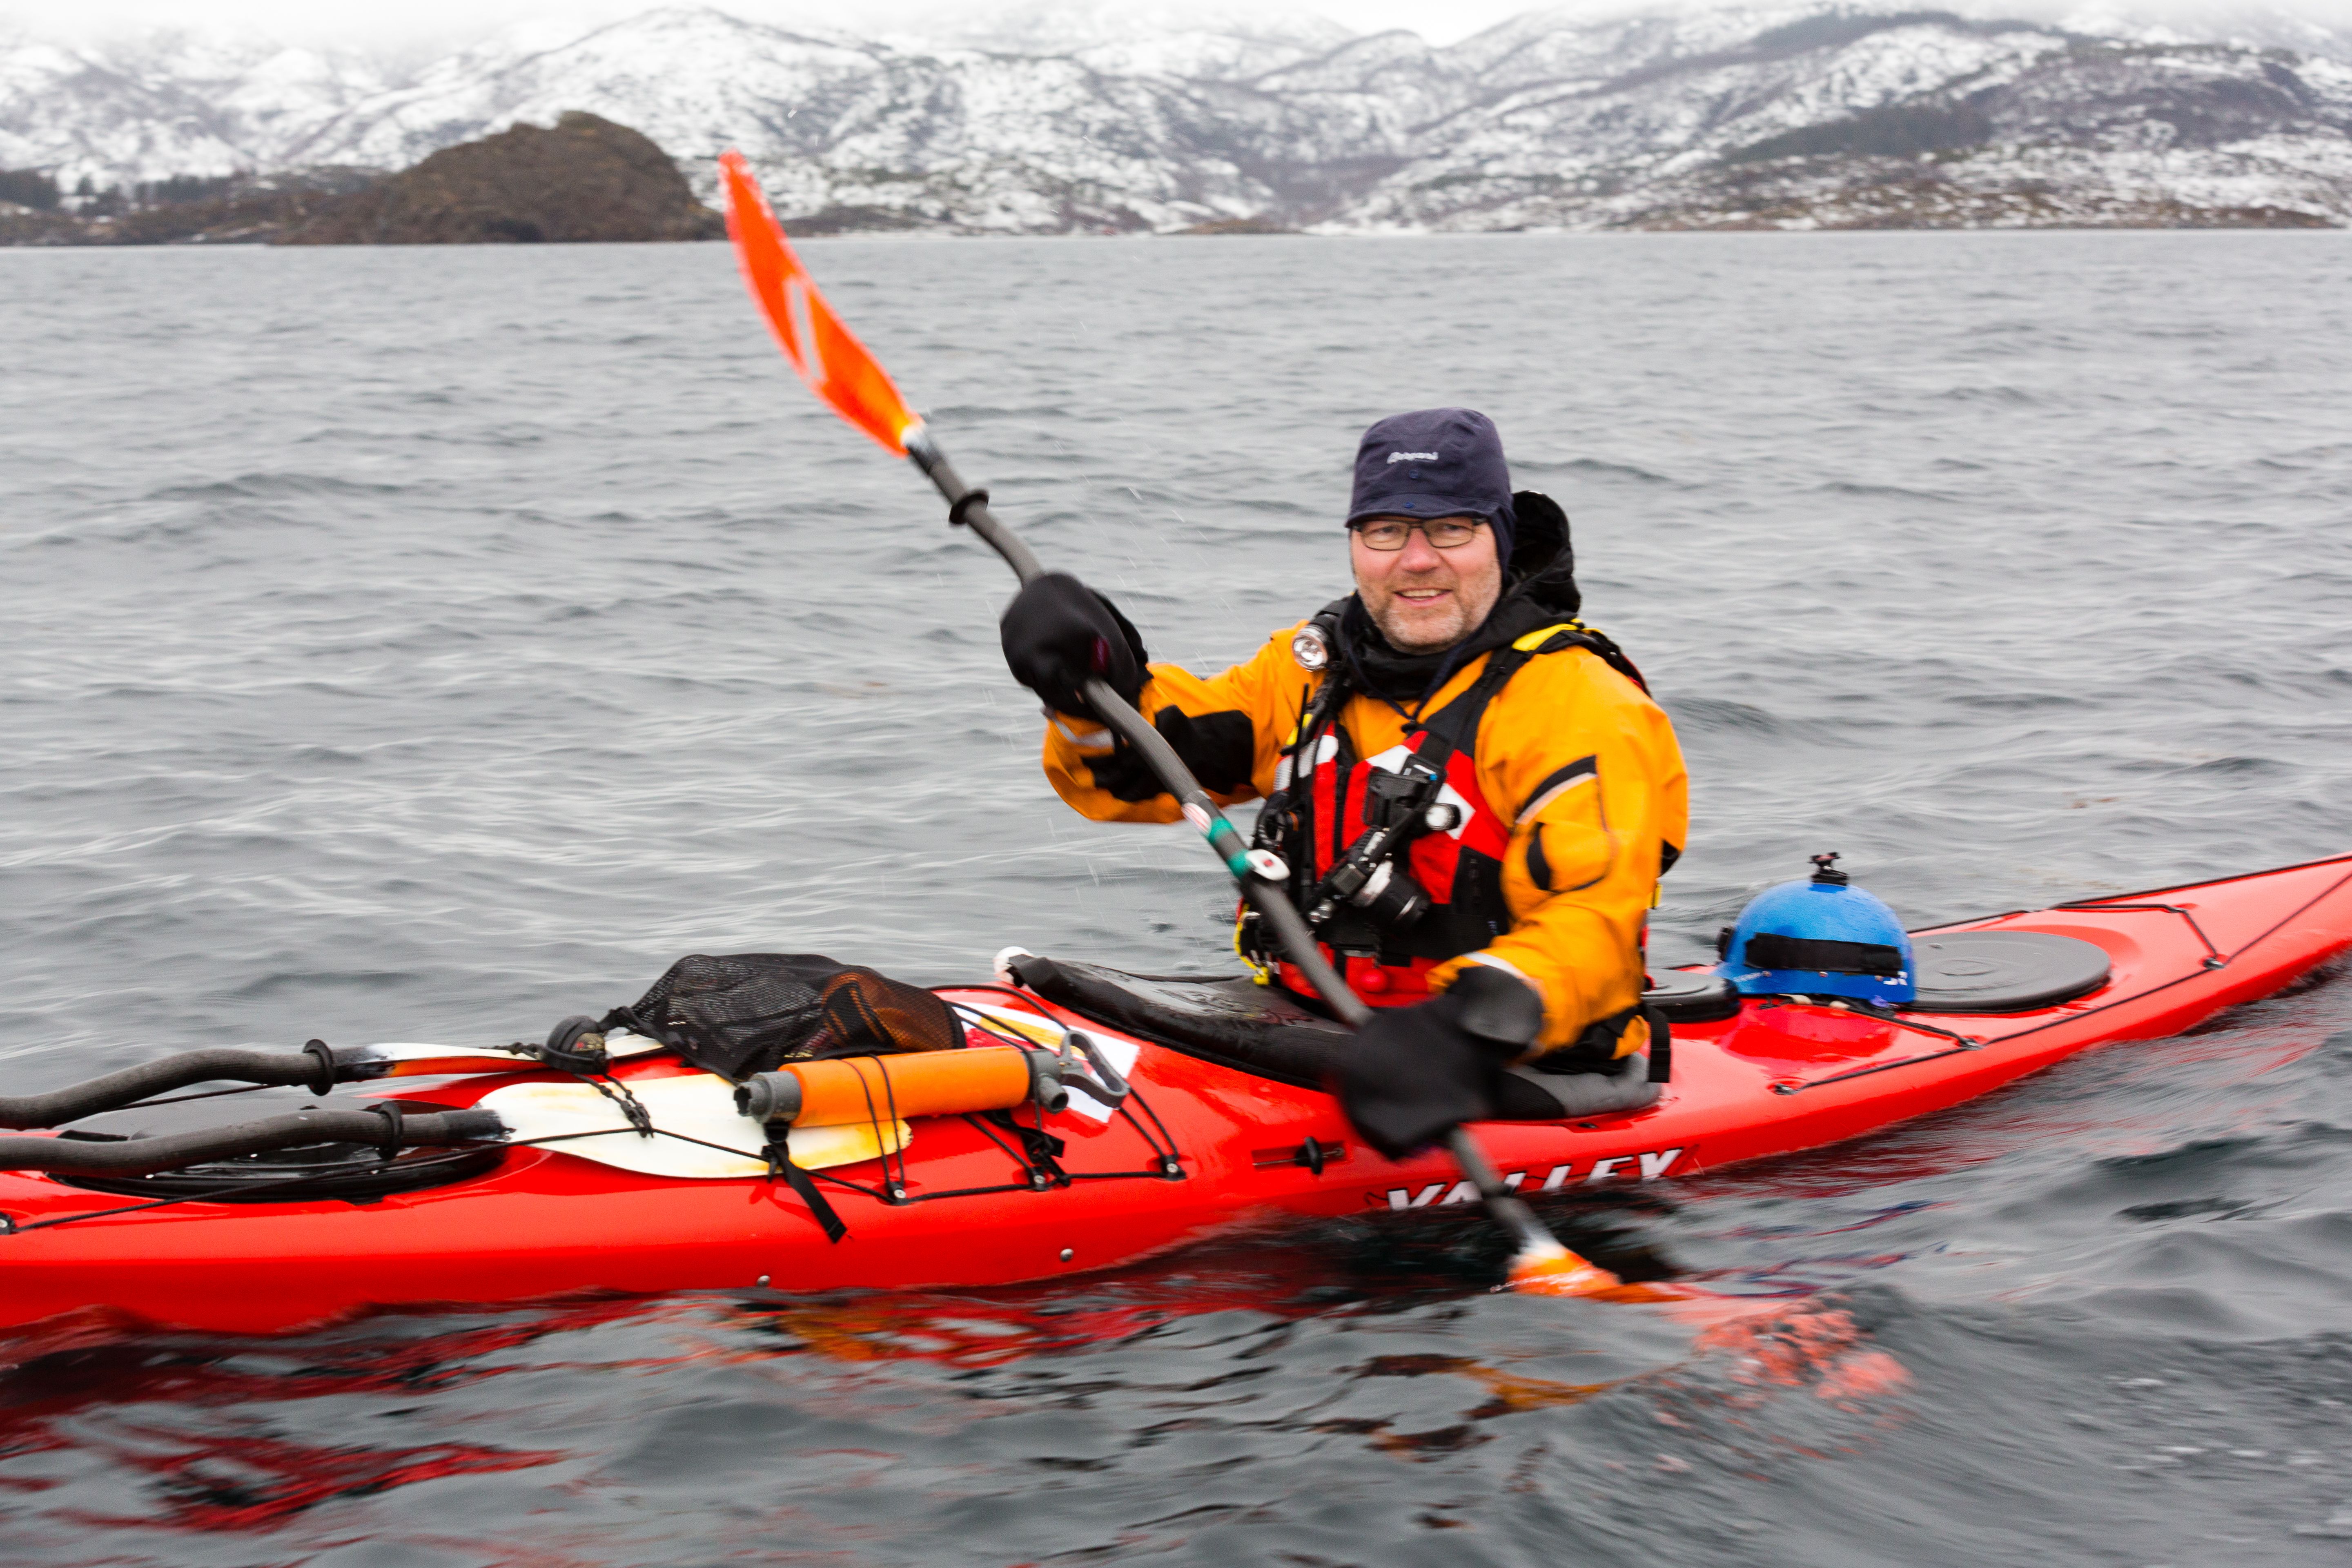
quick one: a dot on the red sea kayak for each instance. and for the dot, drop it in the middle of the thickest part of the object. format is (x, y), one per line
(1203, 1140)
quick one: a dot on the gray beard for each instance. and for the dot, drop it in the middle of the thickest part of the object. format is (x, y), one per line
(1402, 646)
(1386, 620)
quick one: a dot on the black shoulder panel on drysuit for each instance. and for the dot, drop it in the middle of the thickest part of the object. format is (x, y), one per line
(1218, 747)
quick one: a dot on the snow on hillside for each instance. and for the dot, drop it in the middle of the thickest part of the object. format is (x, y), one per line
(1071, 116)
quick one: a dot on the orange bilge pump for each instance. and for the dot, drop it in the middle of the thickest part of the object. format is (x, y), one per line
(848, 1090)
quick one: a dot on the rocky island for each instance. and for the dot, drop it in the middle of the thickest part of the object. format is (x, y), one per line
(585, 179)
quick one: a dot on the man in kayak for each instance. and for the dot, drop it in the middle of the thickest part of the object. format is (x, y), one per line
(1473, 793)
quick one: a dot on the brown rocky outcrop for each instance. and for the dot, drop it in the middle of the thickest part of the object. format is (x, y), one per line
(583, 180)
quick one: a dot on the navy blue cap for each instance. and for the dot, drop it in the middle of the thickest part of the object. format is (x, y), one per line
(1435, 462)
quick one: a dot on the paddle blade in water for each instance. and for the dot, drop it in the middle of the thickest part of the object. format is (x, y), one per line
(1533, 1273)
(1557, 1273)
(837, 366)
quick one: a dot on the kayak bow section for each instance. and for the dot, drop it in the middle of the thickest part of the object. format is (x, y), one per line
(971, 1200)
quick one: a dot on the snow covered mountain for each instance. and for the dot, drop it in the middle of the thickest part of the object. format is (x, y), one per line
(1069, 117)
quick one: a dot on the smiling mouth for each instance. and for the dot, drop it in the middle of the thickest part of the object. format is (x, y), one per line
(1422, 595)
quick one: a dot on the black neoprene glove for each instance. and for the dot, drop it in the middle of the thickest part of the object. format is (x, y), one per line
(1414, 1074)
(1058, 632)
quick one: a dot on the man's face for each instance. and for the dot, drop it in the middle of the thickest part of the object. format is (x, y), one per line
(1424, 599)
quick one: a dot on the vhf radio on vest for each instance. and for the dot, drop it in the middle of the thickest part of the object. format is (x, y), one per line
(1371, 876)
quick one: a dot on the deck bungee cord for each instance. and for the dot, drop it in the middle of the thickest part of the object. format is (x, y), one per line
(843, 1109)
(316, 1066)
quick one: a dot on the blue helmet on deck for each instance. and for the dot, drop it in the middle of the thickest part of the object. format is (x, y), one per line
(1820, 937)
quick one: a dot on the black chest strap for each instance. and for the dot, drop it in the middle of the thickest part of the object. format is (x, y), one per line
(1454, 727)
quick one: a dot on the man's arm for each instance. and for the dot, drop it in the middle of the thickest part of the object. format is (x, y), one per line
(1586, 769)
(1229, 729)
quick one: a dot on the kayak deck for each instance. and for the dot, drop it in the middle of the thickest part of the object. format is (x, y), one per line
(1199, 1146)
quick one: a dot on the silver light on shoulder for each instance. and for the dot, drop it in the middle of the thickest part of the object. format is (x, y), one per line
(1310, 647)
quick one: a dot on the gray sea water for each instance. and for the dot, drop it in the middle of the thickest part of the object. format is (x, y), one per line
(428, 644)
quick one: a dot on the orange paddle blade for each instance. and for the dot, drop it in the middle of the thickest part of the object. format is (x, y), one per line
(1560, 1274)
(837, 366)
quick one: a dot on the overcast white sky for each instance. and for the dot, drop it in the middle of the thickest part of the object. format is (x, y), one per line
(414, 25)
(421, 21)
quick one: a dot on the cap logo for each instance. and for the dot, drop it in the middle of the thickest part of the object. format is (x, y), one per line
(1412, 456)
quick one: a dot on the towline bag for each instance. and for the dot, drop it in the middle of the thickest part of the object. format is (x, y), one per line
(751, 1012)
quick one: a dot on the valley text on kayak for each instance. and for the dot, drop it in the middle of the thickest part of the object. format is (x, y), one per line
(1469, 793)
(1645, 1167)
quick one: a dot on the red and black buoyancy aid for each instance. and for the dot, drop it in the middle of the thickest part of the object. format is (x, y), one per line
(1397, 859)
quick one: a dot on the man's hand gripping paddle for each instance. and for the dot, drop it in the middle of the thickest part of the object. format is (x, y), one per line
(838, 369)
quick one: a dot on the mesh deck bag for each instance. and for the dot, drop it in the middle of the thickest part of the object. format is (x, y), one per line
(751, 1012)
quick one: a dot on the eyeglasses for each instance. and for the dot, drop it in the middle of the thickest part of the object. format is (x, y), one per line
(1390, 533)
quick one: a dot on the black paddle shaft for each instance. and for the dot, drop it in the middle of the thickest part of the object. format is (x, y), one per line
(968, 508)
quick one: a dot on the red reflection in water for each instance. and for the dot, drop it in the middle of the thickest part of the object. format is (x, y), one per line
(1792, 1347)
(103, 1357)
(246, 1483)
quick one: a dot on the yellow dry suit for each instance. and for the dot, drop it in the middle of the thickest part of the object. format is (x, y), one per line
(1533, 801)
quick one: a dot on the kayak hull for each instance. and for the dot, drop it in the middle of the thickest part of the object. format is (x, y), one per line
(1781, 1077)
